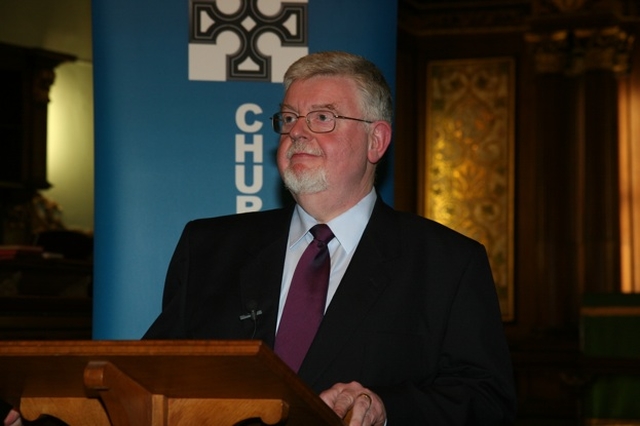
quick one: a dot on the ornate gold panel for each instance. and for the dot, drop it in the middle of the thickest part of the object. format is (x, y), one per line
(469, 158)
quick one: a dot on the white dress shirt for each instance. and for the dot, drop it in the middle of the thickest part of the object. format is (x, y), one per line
(347, 230)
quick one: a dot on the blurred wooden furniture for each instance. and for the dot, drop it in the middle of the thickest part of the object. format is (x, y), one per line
(45, 299)
(138, 383)
(611, 351)
(26, 74)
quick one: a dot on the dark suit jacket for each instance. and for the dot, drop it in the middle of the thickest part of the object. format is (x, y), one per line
(415, 317)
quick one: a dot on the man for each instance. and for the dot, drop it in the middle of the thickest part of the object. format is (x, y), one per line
(412, 333)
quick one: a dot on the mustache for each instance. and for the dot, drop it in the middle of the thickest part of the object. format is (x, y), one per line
(302, 149)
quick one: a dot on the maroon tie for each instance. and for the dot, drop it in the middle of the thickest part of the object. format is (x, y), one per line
(307, 297)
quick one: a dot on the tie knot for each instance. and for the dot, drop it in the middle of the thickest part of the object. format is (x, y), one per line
(322, 232)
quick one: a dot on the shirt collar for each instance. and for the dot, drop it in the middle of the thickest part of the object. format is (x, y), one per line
(347, 228)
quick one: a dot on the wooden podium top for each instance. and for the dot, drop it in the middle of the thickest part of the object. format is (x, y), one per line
(183, 369)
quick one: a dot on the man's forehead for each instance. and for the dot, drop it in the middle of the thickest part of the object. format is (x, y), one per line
(314, 107)
(321, 92)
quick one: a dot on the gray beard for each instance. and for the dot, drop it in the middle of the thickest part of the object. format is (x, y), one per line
(305, 183)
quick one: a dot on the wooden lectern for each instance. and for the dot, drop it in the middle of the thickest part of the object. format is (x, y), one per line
(157, 383)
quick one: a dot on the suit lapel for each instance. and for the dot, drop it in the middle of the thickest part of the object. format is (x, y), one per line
(261, 278)
(364, 281)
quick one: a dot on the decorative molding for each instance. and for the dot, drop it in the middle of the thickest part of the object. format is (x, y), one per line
(568, 5)
(553, 7)
(42, 82)
(573, 52)
(446, 18)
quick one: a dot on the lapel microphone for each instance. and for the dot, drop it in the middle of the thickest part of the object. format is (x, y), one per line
(252, 307)
(253, 313)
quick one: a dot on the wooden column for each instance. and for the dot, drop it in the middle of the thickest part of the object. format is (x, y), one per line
(557, 176)
(577, 132)
(600, 233)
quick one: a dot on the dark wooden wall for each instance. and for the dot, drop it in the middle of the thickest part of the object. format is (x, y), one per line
(567, 235)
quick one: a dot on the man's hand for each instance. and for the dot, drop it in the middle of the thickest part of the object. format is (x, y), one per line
(366, 407)
(13, 419)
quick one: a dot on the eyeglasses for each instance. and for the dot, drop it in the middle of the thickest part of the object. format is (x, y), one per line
(317, 121)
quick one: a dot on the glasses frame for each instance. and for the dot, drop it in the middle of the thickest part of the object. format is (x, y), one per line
(306, 119)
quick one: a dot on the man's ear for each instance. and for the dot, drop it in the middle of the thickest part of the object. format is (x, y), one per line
(379, 140)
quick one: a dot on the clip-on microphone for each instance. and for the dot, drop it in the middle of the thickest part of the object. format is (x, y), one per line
(252, 306)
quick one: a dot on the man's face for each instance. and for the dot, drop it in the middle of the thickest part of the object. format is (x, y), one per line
(336, 161)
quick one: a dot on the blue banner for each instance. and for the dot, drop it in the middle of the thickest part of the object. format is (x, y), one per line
(183, 94)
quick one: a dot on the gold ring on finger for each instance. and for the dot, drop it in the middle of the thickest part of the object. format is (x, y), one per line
(366, 395)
